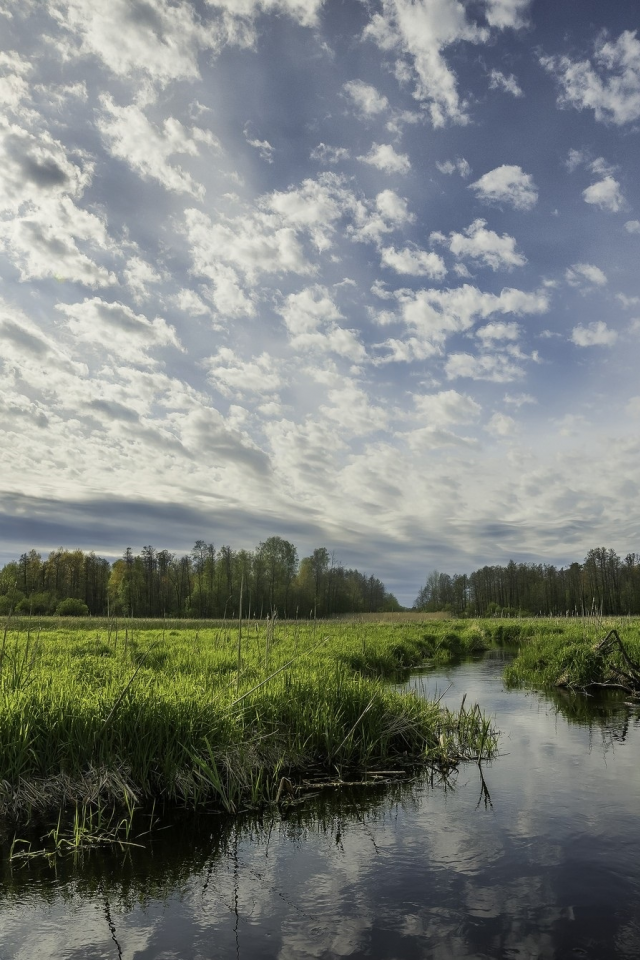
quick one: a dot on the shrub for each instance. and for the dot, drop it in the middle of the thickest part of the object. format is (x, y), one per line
(72, 608)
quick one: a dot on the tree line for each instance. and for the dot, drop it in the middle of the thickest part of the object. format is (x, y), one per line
(604, 583)
(204, 583)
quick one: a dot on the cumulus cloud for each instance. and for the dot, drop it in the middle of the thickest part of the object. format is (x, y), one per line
(498, 330)
(264, 148)
(459, 165)
(157, 38)
(327, 154)
(580, 273)
(414, 262)
(507, 184)
(130, 136)
(596, 334)
(497, 368)
(605, 194)
(446, 408)
(161, 39)
(233, 376)
(420, 31)
(47, 240)
(115, 328)
(366, 98)
(632, 226)
(608, 84)
(436, 314)
(138, 276)
(483, 246)
(501, 425)
(507, 13)
(384, 157)
(500, 81)
(312, 320)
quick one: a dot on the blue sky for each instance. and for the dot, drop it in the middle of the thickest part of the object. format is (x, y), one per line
(359, 274)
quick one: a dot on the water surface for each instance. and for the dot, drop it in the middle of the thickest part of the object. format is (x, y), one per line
(540, 859)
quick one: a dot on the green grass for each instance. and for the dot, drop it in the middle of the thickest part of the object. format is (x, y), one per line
(161, 711)
(565, 653)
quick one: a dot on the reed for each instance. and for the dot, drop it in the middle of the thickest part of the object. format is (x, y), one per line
(176, 715)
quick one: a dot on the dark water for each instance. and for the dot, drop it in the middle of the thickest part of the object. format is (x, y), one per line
(548, 868)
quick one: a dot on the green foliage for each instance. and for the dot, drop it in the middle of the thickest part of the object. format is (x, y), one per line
(167, 716)
(72, 607)
(568, 655)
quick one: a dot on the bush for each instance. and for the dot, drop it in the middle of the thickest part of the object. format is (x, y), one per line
(72, 608)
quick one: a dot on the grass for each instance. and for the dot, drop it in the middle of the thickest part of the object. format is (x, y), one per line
(199, 714)
(569, 653)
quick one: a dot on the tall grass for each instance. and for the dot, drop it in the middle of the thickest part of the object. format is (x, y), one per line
(569, 653)
(175, 714)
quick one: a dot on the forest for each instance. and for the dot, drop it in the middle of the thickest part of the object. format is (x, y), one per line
(204, 583)
(604, 583)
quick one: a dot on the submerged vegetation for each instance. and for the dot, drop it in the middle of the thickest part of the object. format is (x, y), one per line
(235, 714)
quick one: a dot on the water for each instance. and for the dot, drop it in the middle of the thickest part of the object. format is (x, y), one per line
(543, 863)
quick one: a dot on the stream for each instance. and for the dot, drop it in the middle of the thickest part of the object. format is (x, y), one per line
(537, 855)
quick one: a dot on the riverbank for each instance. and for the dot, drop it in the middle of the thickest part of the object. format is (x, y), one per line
(579, 655)
(123, 715)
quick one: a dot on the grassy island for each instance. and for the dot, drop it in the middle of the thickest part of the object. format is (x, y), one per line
(134, 712)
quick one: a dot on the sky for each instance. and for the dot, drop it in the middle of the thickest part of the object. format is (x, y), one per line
(362, 274)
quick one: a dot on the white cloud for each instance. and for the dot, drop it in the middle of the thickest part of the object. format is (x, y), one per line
(264, 148)
(414, 262)
(326, 154)
(436, 314)
(131, 137)
(384, 157)
(451, 166)
(628, 302)
(156, 37)
(311, 317)
(189, 302)
(235, 377)
(138, 275)
(497, 368)
(304, 12)
(498, 330)
(389, 212)
(115, 328)
(575, 159)
(25, 345)
(44, 242)
(352, 410)
(507, 13)
(419, 32)
(602, 167)
(605, 194)
(501, 425)
(633, 407)
(632, 226)
(578, 273)
(507, 184)
(366, 98)
(446, 408)
(483, 246)
(597, 334)
(519, 400)
(500, 81)
(162, 39)
(609, 84)
(406, 351)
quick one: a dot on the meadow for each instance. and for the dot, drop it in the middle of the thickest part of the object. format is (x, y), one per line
(98, 714)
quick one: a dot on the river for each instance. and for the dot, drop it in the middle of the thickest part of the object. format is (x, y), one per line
(536, 856)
